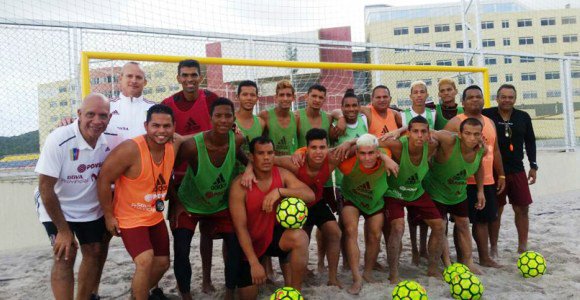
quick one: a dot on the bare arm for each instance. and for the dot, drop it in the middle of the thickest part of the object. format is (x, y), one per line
(480, 194)
(264, 117)
(286, 163)
(453, 125)
(498, 167)
(294, 187)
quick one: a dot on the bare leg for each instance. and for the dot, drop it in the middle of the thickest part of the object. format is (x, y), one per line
(445, 255)
(89, 270)
(394, 249)
(435, 246)
(481, 235)
(332, 235)
(142, 280)
(158, 268)
(343, 245)
(423, 240)
(457, 244)
(374, 227)
(322, 249)
(494, 232)
(522, 225)
(296, 241)
(248, 293)
(464, 239)
(62, 276)
(103, 259)
(350, 216)
(309, 272)
(414, 248)
(206, 251)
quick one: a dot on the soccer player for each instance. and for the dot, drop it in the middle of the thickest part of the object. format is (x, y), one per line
(141, 169)
(211, 157)
(457, 158)
(418, 97)
(447, 108)
(472, 100)
(280, 121)
(412, 152)
(247, 123)
(67, 202)
(514, 132)
(381, 118)
(254, 218)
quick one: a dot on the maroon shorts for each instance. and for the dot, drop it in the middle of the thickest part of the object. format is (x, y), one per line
(140, 239)
(516, 189)
(424, 206)
(413, 217)
(460, 209)
(220, 222)
(366, 216)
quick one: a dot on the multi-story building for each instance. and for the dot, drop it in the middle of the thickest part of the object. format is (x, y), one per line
(507, 26)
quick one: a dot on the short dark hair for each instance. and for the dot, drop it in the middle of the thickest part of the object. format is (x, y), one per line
(188, 63)
(315, 134)
(380, 86)
(262, 140)
(507, 86)
(417, 120)
(349, 94)
(318, 87)
(221, 101)
(471, 87)
(471, 122)
(159, 109)
(247, 83)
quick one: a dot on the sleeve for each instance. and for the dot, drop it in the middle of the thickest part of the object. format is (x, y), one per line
(166, 101)
(50, 160)
(346, 166)
(530, 142)
(301, 150)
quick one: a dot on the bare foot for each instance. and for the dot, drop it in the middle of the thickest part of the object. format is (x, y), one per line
(394, 279)
(207, 287)
(186, 296)
(345, 268)
(474, 269)
(490, 263)
(424, 254)
(493, 252)
(310, 273)
(416, 258)
(434, 273)
(321, 268)
(369, 278)
(355, 288)
(522, 249)
(379, 267)
(334, 282)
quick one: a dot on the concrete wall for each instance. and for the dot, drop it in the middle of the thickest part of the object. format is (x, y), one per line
(20, 228)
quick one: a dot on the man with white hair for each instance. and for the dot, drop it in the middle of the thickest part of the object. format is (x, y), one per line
(363, 186)
(67, 202)
(419, 97)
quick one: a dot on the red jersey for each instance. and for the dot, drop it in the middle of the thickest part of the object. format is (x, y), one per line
(190, 118)
(316, 183)
(261, 224)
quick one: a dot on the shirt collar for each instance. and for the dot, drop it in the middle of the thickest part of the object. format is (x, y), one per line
(83, 145)
(130, 99)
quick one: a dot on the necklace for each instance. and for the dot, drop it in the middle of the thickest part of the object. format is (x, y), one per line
(158, 180)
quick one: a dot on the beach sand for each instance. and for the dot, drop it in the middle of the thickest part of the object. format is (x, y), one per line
(555, 221)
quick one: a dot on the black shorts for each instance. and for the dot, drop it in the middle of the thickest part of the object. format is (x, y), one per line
(240, 272)
(86, 232)
(489, 212)
(318, 214)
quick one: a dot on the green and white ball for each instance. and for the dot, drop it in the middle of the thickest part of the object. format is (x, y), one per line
(452, 270)
(466, 286)
(409, 290)
(286, 293)
(531, 264)
(291, 213)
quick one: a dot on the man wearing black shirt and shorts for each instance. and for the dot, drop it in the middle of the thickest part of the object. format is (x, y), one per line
(514, 132)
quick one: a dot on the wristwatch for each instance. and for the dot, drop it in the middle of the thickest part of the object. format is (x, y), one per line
(534, 165)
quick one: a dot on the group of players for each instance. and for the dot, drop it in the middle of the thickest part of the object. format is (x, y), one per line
(110, 171)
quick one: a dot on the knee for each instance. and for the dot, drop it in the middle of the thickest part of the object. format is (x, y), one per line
(93, 251)
(351, 231)
(374, 236)
(437, 227)
(298, 238)
(398, 227)
(521, 210)
(144, 260)
(333, 235)
(163, 264)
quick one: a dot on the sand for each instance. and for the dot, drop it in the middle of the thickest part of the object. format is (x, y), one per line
(555, 221)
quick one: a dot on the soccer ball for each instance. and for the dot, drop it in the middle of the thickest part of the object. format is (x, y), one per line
(531, 264)
(409, 290)
(286, 293)
(466, 286)
(291, 213)
(454, 269)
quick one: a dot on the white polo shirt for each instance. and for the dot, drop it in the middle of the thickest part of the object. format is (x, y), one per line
(414, 114)
(67, 156)
(128, 116)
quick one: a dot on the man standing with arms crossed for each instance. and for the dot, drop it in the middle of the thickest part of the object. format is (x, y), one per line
(141, 169)
(67, 201)
(514, 132)
(472, 100)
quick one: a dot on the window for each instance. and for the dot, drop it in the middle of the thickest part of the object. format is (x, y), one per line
(505, 24)
(529, 76)
(461, 79)
(444, 63)
(403, 84)
(553, 93)
(507, 41)
(552, 75)
(548, 21)
(524, 22)
(530, 95)
(116, 94)
(509, 77)
(63, 103)
(398, 50)
(551, 59)
(423, 63)
(575, 74)
(527, 59)
(549, 39)
(147, 91)
(576, 92)
(441, 27)
(53, 118)
(488, 43)
(428, 82)
(492, 78)
(459, 44)
(507, 60)
(487, 25)
(568, 20)
(401, 30)
(159, 74)
(570, 38)
(160, 89)
(526, 40)
(461, 62)
(490, 61)
(62, 89)
(422, 45)
(421, 29)
(571, 54)
(53, 104)
(443, 44)
(458, 26)
(174, 87)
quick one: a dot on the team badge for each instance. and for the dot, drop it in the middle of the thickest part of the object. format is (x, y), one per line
(74, 154)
